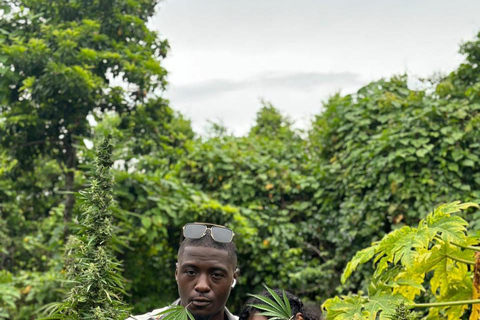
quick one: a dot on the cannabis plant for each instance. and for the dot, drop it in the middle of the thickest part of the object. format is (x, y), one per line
(89, 260)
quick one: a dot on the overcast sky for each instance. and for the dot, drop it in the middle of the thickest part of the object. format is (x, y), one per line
(226, 55)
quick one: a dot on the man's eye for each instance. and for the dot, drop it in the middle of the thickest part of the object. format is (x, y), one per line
(217, 275)
(190, 273)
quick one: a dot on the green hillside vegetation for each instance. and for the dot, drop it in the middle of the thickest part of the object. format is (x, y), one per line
(301, 203)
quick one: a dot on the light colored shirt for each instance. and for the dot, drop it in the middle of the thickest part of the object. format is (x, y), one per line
(153, 314)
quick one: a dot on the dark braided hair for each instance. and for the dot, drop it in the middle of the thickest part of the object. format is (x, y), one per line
(295, 303)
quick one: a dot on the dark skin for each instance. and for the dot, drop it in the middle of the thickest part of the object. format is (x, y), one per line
(204, 277)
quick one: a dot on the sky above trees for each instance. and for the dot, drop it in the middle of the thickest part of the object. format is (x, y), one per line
(227, 55)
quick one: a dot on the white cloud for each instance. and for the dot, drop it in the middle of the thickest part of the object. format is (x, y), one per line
(300, 81)
(227, 54)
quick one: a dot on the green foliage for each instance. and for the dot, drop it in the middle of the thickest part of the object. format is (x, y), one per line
(59, 63)
(386, 156)
(264, 177)
(21, 296)
(271, 123)
(9, 294)
(435, 256)
(302, 204)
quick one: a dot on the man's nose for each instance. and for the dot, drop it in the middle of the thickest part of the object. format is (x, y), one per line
(202, 284)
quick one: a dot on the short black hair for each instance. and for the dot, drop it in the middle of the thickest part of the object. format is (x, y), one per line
(207, 241)
(295, 303)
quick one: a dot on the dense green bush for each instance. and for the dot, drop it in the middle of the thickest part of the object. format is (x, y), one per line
(391, 155)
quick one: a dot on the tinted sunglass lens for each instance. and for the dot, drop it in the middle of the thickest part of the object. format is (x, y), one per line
(194, 231)
(222, 234)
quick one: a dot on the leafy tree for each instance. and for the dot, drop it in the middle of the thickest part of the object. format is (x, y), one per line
(60, 62)
(270, 122)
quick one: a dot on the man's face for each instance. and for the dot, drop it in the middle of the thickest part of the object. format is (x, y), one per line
(204, 277)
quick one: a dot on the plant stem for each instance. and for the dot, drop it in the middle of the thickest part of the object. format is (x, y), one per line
(461, 260)
(473, 248)
(445, 304)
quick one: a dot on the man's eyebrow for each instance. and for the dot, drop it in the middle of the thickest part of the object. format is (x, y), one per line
(194, 266)
(220, 269)
(188, 265)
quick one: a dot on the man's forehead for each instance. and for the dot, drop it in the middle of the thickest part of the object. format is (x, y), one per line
(192, 254)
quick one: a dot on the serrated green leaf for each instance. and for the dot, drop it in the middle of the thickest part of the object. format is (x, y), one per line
(400, 246)
(346, 308)
(360, 257)
(382, 305)
(450, 228)
(445, 270)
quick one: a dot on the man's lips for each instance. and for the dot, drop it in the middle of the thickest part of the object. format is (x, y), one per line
(201, 302)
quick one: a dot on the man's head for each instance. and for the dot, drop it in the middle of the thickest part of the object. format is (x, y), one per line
(205, 273)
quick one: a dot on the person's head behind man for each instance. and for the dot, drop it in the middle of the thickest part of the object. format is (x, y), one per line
(205, 274)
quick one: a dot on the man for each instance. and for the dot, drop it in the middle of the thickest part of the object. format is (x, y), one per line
(206, 272)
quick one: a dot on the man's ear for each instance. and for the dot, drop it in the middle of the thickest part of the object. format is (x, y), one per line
(299, 316)
(176, 271)
(235, 277)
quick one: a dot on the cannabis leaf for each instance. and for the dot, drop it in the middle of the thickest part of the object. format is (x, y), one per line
(175, 313)
(277, 309)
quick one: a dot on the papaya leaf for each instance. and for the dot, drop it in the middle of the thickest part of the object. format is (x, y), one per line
(408, 283)
(399, 247)
(445, 270)
(450, 228)
(382, 306)
(360, 257)
(458, 291)
(346, 308)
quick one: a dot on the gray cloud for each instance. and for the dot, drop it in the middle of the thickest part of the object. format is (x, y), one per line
(297, 81)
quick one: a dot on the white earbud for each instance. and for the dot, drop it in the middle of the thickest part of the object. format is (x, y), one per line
(234, 283)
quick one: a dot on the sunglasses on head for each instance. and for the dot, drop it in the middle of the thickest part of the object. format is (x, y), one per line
(197, 230)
